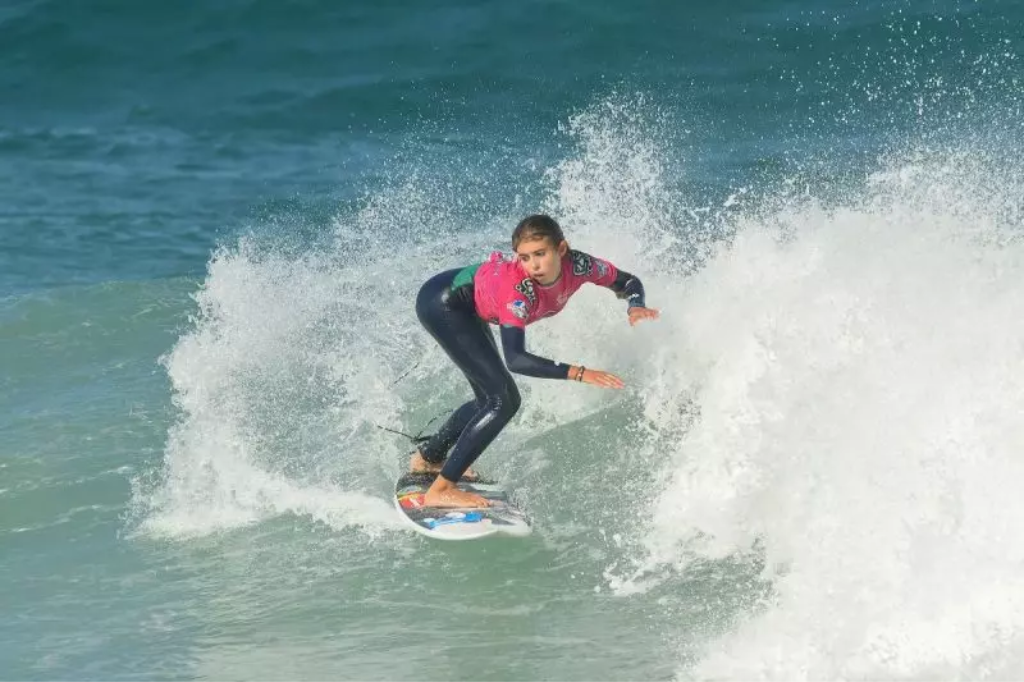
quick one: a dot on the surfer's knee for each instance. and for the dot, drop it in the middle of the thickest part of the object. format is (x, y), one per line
(509, 402)
(504, 404)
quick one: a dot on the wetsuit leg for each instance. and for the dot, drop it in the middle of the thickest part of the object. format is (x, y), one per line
(436, 449)
(452, 320)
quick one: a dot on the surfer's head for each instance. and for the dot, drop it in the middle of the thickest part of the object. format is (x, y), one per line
(539, 244)
(538, 226)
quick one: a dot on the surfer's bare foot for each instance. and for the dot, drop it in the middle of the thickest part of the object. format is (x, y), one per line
(443, 493)
(418, 465)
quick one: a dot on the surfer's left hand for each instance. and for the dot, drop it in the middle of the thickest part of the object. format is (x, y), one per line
(637, 313)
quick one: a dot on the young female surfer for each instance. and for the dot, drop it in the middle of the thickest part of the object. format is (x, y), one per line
(456, 306)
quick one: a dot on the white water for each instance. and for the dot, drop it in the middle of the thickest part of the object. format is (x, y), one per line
(856, 373)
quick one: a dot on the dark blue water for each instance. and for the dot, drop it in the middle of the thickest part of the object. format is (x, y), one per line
(135, 137)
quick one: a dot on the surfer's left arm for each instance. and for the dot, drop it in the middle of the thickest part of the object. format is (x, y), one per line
(513, 341)
(519, 361)
(630, 287)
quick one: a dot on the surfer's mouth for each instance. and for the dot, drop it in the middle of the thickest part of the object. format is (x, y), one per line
(545, 280)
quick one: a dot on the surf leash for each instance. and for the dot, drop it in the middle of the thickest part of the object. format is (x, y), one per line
(419, 437)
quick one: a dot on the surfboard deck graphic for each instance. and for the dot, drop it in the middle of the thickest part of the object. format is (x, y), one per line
(447, 523)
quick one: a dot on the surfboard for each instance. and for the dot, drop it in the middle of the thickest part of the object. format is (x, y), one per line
(447, 523)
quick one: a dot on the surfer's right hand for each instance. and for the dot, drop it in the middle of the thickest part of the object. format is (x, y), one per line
(596, 377)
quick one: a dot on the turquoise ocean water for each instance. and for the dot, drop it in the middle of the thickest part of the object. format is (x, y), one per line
(215, 217)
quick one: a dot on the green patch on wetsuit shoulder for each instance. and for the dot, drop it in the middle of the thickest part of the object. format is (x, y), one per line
(465, 276)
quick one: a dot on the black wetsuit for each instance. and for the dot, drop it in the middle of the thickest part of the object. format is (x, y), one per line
(449, 313)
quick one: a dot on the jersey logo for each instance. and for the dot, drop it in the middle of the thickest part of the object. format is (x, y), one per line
(518, 308)
(582, 264)
(526, 289)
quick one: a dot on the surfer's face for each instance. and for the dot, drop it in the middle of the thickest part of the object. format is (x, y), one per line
(541, 259)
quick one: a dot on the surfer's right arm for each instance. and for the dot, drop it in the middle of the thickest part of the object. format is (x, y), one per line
(630, 287)
(519, 361)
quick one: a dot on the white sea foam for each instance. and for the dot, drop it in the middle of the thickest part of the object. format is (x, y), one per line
(852, 378)
(832, 397)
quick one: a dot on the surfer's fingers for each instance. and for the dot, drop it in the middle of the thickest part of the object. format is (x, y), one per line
(612, 381)
(597, 377)
(637, 314)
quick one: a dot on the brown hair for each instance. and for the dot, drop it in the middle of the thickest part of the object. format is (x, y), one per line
(537, 226)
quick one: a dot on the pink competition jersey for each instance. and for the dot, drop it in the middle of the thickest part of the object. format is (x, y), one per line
(506, 295)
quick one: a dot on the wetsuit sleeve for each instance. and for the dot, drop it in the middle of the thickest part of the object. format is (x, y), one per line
(513, 343)
(629, 287)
